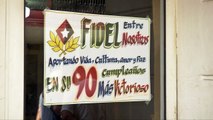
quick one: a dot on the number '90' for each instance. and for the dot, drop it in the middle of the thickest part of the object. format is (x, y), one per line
(82, 79)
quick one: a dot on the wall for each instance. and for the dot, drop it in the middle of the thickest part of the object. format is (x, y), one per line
(194, 59)
(2, 58)
(11, 59)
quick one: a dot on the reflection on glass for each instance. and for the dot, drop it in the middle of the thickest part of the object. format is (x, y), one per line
(34, 109)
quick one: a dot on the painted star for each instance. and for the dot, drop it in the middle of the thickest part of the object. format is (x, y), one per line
(65, 33)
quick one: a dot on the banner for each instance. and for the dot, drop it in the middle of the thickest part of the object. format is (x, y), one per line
(91, 58)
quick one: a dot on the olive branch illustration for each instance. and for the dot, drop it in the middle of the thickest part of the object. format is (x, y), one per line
(57, 45)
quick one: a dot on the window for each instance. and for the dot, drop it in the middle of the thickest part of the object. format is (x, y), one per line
(34, 52)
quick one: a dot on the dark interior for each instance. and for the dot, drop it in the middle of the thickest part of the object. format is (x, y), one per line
(34, 52)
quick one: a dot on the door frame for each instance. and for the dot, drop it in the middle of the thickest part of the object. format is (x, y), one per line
(12, 59)
(171, 61)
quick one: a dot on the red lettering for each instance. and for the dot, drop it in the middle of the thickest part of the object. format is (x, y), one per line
(78, 78)
(124, 88)
(81, 79)
(93, 73)
(134, 39)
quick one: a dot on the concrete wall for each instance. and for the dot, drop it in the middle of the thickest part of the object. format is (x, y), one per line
(195, 59)
(11, 59)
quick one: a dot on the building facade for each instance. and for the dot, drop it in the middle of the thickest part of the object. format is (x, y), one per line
(187, 63)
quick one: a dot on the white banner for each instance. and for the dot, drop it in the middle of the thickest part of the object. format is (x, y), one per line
(95, 58)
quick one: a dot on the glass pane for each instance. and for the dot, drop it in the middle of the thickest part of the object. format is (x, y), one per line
(34, 55)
